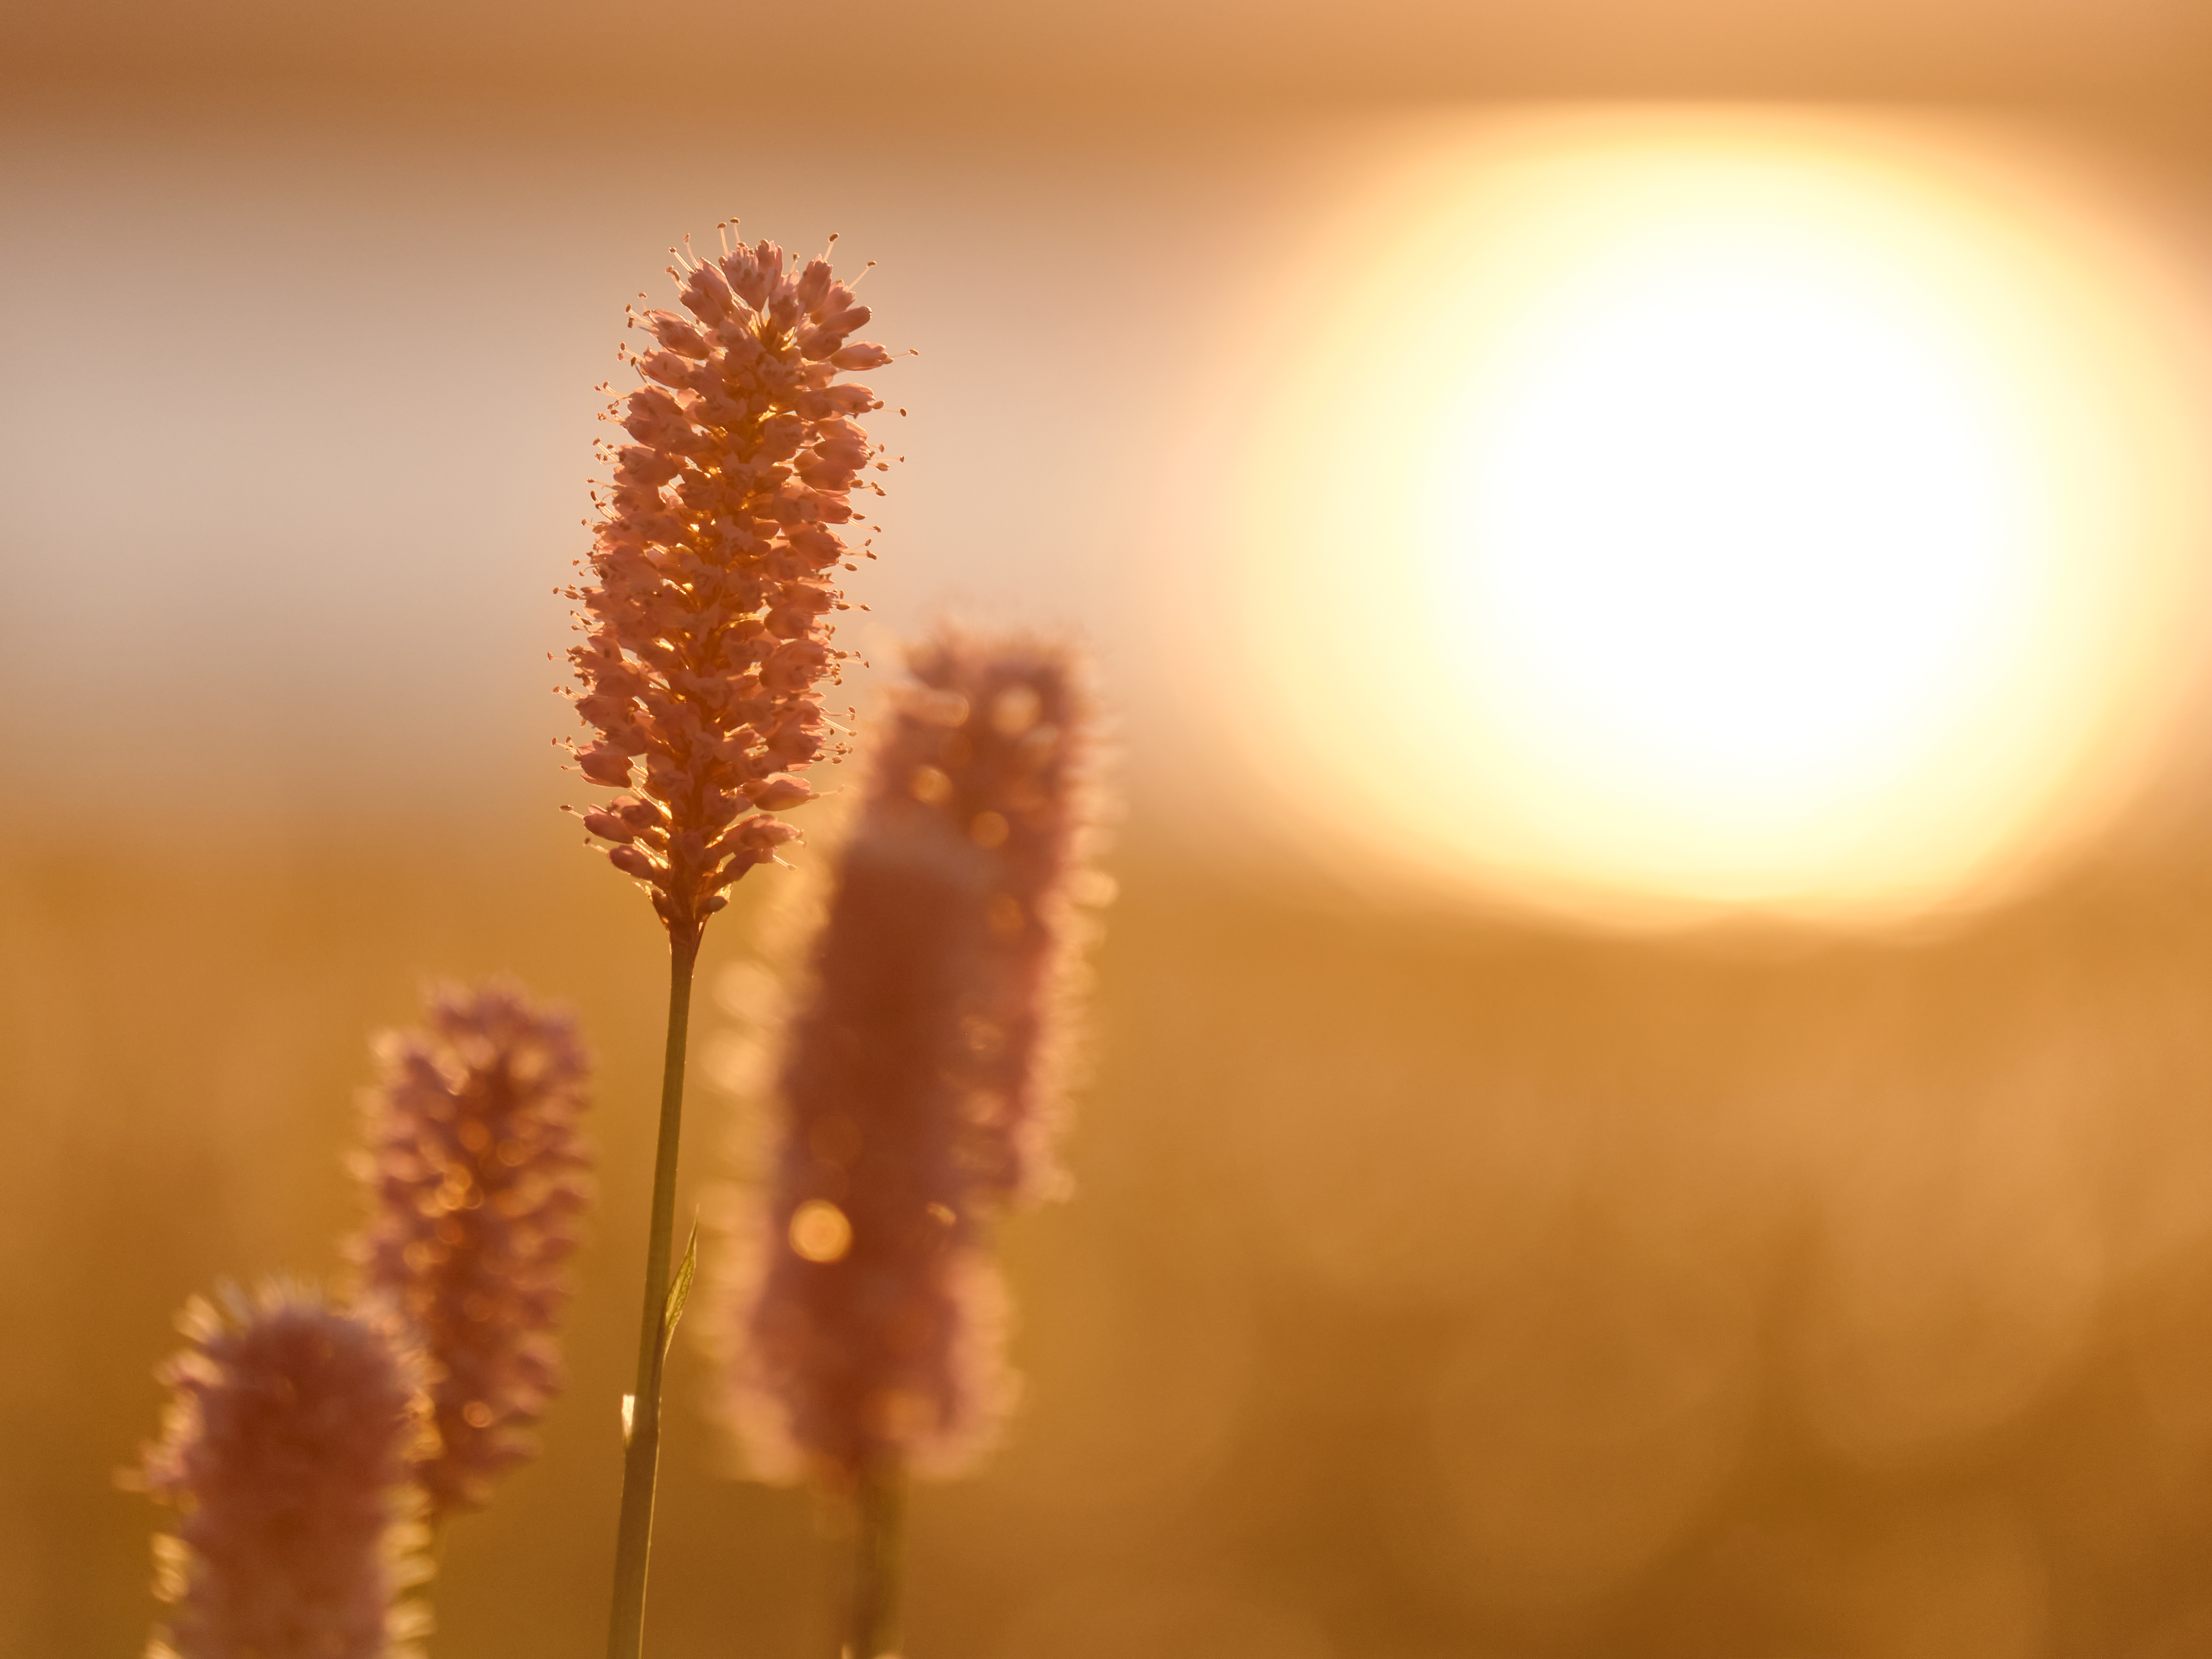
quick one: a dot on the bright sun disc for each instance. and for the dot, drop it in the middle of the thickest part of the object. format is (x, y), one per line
(1727, 512)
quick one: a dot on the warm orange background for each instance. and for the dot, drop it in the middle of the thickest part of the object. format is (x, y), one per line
(1441, 1284)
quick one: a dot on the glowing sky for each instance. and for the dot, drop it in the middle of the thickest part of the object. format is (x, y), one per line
(1610, 508)
(1695, 509)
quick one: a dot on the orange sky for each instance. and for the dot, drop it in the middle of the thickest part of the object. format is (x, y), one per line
(875, 52)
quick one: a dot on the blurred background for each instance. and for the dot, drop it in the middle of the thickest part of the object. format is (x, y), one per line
(1654, 1094)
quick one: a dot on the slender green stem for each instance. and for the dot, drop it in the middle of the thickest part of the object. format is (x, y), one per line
(626, 1625)
(872, 1628)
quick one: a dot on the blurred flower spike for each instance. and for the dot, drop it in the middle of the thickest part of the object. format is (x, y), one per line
(477, 1180)
(707, 633)
(917, 1083)
(289, 1447)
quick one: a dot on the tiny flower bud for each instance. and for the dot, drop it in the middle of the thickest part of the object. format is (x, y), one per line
(669, 368)
(778, 794)
(633, 861)
(794, 742)
(835, 400)
(813, 284)
(676, 334)
(706, 294)
(648, 467)
(766, 833)
(793, 664)
(605, 765)
(602, 709)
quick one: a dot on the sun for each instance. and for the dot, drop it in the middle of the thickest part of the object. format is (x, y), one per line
(1694, 512)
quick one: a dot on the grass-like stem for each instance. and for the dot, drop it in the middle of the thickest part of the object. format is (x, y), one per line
(641, 1462)
(880, 1503)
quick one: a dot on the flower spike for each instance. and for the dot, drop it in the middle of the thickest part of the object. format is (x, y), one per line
(918, 1086)
(477, 1179)
(289, 1447)
(707, 637)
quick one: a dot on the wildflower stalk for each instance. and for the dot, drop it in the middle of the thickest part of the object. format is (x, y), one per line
(641, 1460)
(707, 647)
(919, 1093)
(880, 1505)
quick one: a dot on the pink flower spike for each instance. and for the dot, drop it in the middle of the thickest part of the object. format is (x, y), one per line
(868, 1345)
(289, 1447)
(477, 1179)
(708, 639)
(917, 1085)
(992, 746)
